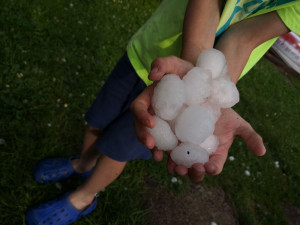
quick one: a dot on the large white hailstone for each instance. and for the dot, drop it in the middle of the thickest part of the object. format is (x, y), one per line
(195, 124)
(173, 122)
(214, 108)
(187, 154)
(197, 85)
(213, 60)
(224, 92)
(168, 97)
(164, 138)
(210, 144)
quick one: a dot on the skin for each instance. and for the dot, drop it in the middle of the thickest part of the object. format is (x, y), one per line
(230, 124)
(236, 44)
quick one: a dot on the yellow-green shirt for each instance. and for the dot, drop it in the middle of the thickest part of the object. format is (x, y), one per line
(161, 35)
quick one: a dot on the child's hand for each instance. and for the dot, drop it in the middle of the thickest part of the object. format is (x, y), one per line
(227, 127)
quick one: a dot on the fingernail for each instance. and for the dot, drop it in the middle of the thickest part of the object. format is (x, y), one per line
(154, 70)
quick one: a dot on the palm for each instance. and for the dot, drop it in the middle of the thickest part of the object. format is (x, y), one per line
(229, 125)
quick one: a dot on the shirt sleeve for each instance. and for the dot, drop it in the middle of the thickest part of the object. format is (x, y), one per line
(291, 17)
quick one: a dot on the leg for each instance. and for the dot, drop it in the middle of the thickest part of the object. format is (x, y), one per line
(89, 154)
(104, 173)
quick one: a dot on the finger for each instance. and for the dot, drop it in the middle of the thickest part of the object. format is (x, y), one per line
(139, 107)
(217, 160)
(196, 172)
(171, 165)
(143, 136)
(181, 170)
(169, 65)
(158, 155)
(251, 138)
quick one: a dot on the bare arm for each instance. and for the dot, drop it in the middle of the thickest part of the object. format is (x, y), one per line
(199, 28)
(239, 41)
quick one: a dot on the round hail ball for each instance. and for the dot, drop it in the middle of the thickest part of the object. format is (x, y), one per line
(224, 92)
(164, 138)
(197, 85)
(168, 97)
(194, 124)
(213, 60)
(187, 154)
(210, 144)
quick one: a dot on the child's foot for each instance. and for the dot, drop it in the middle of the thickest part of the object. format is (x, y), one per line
(57, 212)
(56, 169)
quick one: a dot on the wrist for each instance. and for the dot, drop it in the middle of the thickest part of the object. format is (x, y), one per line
(190, 51)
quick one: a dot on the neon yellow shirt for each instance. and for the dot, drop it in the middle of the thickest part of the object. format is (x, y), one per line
(161, 35)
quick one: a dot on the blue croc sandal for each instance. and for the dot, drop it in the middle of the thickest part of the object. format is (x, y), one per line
(57, 212)
(56, 169)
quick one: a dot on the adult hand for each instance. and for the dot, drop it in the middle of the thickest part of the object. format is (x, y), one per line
(229, 125)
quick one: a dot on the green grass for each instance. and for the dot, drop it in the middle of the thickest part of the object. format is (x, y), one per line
(56, 55)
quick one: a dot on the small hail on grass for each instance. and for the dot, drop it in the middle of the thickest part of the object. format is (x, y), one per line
(49, 124)
(231, 158)
(174, 180)
(276, 163)
(247, 173)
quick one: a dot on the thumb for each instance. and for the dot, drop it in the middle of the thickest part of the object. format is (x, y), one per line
(252, 139)
(169, 65)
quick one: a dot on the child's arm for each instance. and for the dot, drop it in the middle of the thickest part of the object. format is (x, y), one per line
(239, 41)
(252, 32)
(199, 28)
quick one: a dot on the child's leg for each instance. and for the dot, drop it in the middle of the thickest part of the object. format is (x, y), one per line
(104, 173)
(89, 154)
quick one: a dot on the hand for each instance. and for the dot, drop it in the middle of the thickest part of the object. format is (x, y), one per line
(141, 107)
(229, 125)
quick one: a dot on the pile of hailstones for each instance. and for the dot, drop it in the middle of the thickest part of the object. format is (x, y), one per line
(187, 110)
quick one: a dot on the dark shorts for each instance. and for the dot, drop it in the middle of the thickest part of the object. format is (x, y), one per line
(110, 113)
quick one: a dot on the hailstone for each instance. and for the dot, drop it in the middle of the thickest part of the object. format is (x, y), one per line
(164, 138)
(168, 97)
(195, 124)
(210, 144)
(187, 154)
(224, 92)
(197, 85)
(213, 60)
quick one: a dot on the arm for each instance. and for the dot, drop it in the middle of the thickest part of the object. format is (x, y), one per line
(199, 28)
(230, 124)
(239, 41)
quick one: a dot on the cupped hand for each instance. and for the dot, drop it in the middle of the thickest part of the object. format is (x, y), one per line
(229, 125)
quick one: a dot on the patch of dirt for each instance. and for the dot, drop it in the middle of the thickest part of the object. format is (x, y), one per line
(292, 214)
(198, 205)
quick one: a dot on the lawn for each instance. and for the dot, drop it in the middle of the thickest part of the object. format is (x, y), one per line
(56, 55)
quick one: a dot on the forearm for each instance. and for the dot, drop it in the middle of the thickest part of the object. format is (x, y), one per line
(242, 38)
(199, 28)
